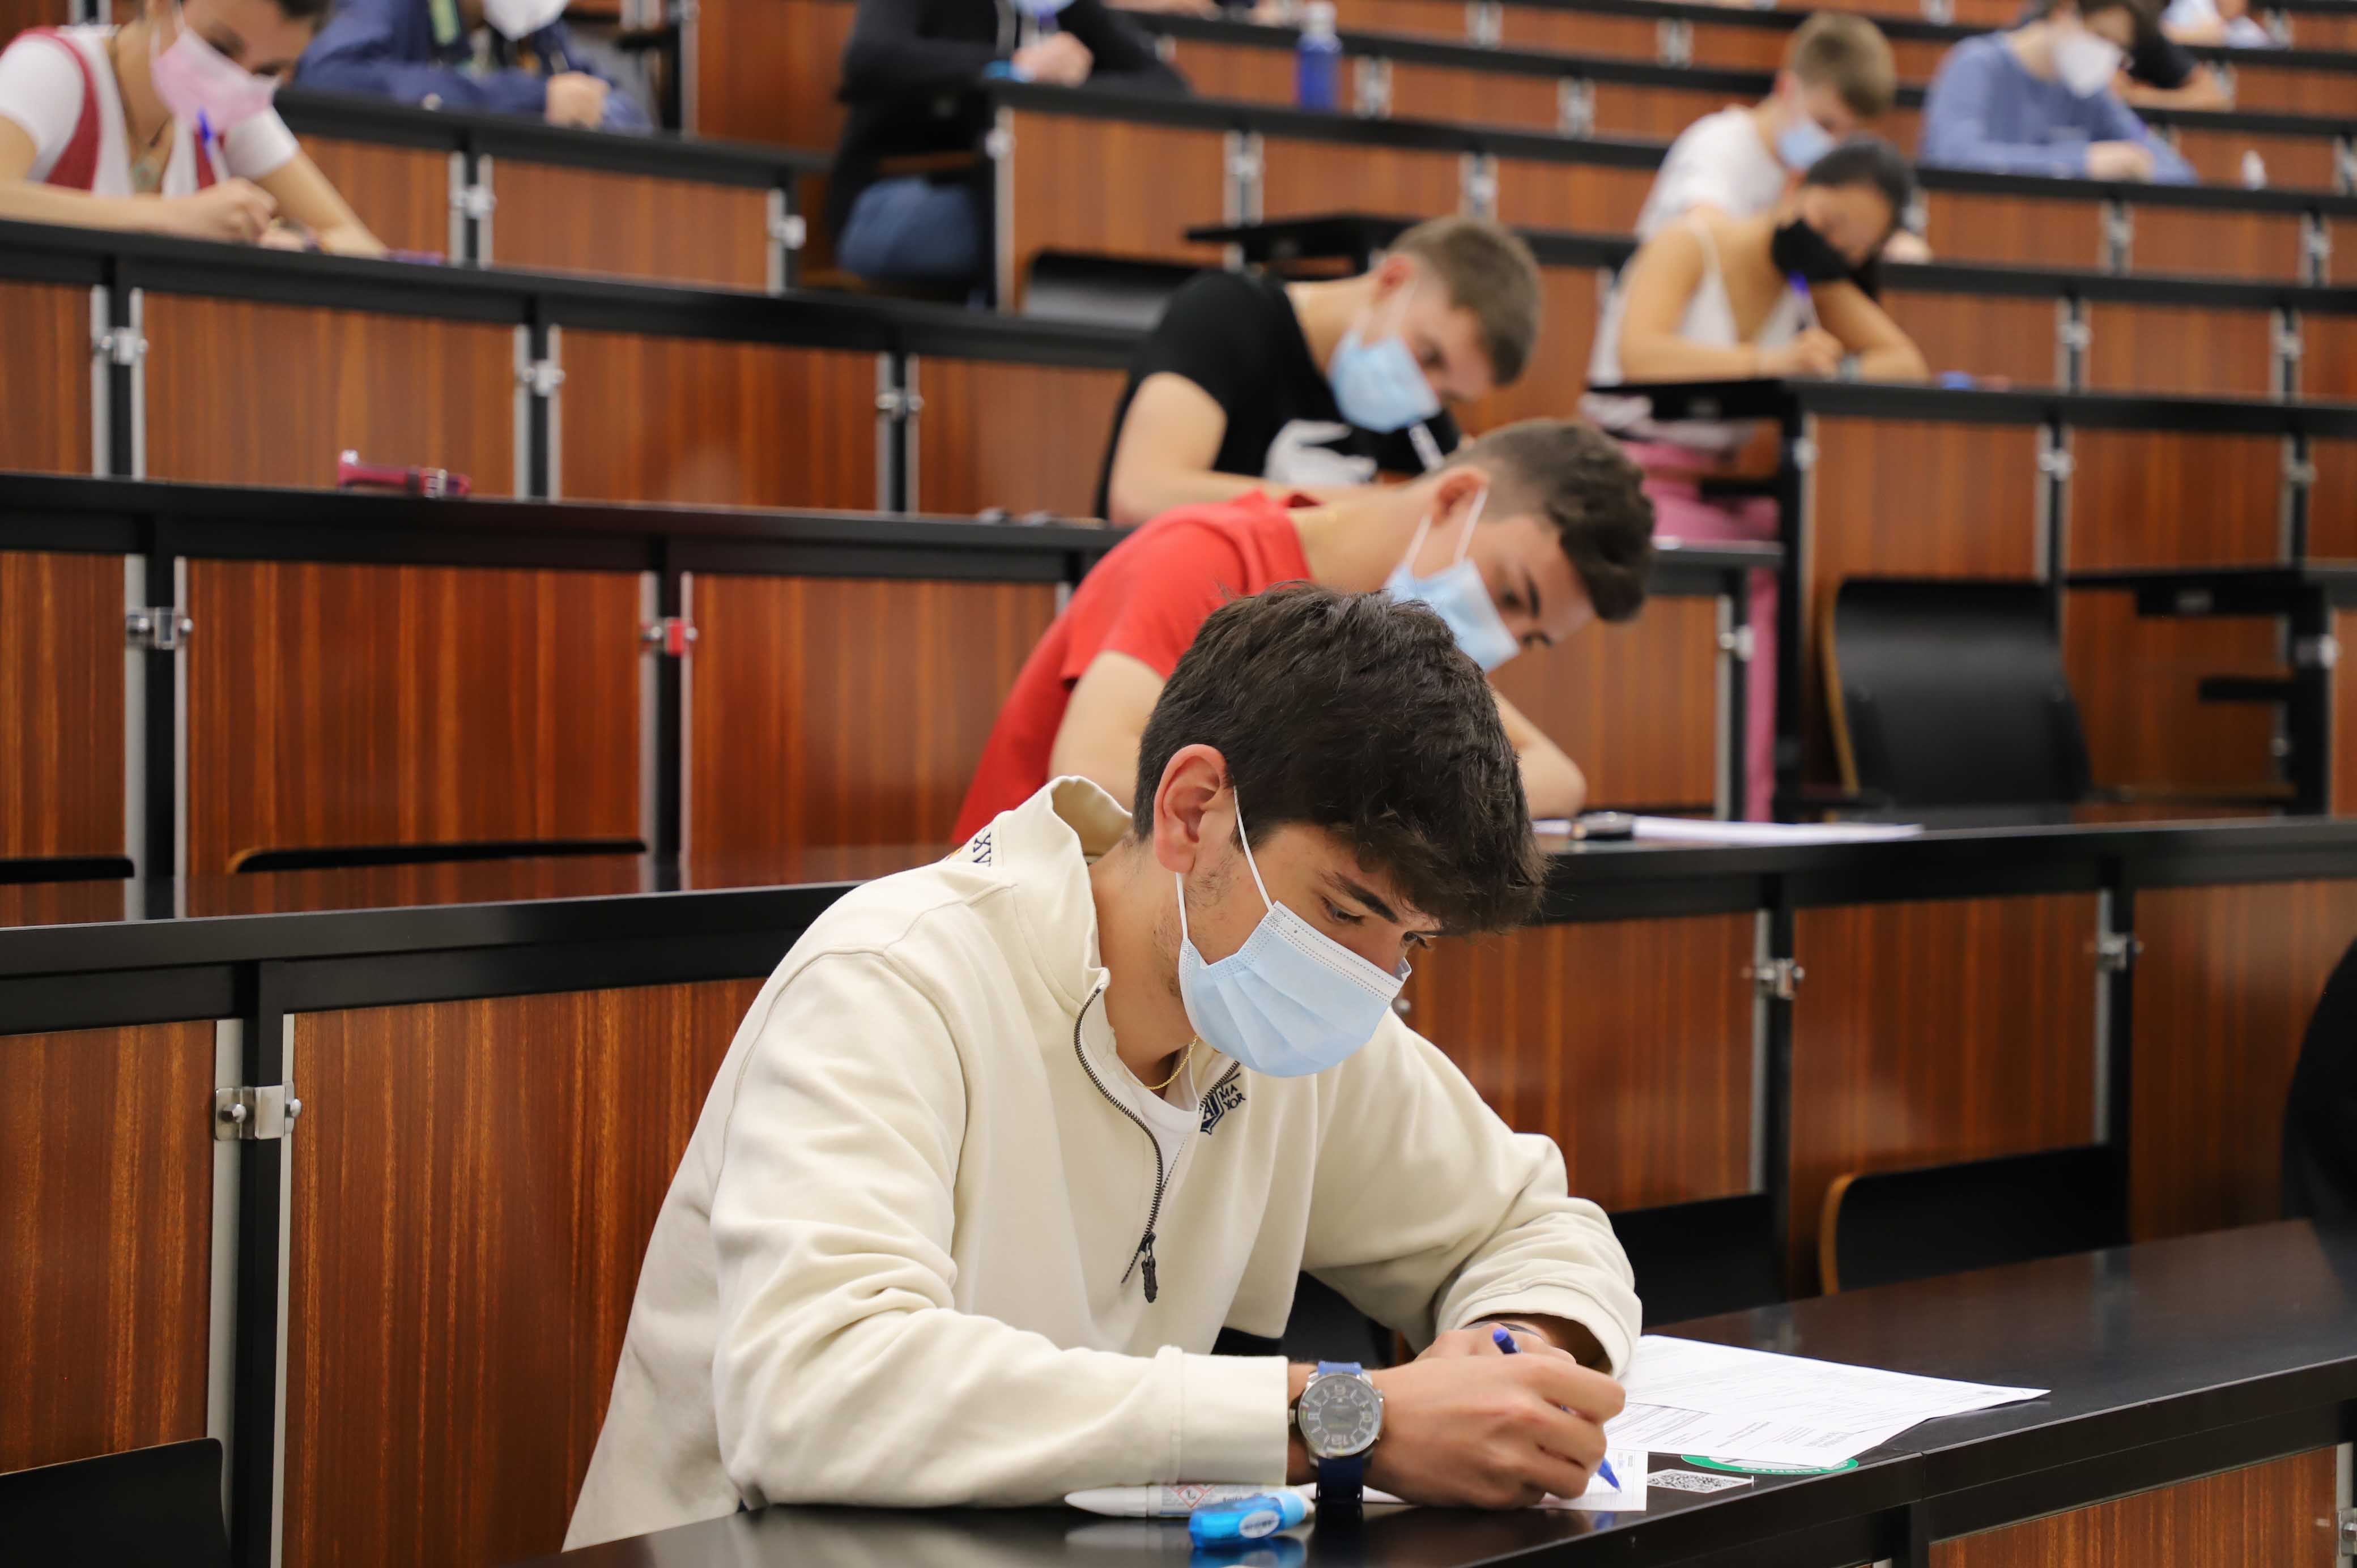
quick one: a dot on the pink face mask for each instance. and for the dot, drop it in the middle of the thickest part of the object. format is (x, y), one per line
(195, 79)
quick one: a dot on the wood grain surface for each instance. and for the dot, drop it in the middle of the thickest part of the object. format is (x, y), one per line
(1557, 371)
(1984, 335)
(105, 1303)
(1075, 186)
(2170, 499)
(1242, 72)
(2216, 243)
(2295, 162)
(692, 420)
(1026, 437)
(2223, 992)
(1651, 113)
(60, 703)
(2344, 723)
(1628, 1042)
(553, 217)
(268, 395)
(1634, 705)
(2173, 348)
(405, 704)
(1474, 97)
(1937, 1031)
(767, 70)
(2137, 682)
(45, 345)
(473, 1191)
(1305, 177)
(402, 194)
(1532, 195)
(1966, 227)
(832, 711)
(2263, 1516)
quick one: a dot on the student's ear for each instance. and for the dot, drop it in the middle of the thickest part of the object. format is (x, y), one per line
(1392, 274)
(1458, 489)
(1184, 803)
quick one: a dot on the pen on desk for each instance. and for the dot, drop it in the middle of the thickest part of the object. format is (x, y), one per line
(1505, 1342)
(1808, 300)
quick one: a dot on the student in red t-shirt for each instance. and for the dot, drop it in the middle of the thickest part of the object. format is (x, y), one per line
(1520, 540)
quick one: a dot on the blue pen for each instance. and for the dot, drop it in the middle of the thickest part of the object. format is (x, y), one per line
(1505, 1342)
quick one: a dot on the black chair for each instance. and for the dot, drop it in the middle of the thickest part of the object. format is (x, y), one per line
(1111, 291)
(152, 1508)
(2319, 1137)
(1887, 1226)
(1693, 1259)
(1952, 694)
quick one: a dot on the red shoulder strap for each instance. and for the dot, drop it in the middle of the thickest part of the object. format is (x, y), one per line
(77, 166)
(208, 160)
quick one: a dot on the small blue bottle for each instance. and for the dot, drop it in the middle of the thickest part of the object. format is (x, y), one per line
(1317, 60)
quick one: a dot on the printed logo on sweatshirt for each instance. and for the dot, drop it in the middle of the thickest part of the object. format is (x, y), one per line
(978, 848)
(1227, 1097)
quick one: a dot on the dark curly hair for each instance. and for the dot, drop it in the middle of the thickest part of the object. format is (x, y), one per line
(1354, 713)
(1577, 478)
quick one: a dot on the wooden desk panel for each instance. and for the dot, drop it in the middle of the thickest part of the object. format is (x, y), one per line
(2173, 348)
(458, 1283)
(839, 710)
(1569, 32)
(45, 336)
(2327, 363)
(268, 395)
(105, 1306)
(2332, 503)
(2344, 723)
(628, 225)
(62, 703)
(2167, 499)
(768, 71)
(1653, 114)
(1987, 335)
(1474, 97)
(2017, 230)
(2263, 1516)
(2293, 163)
(2312, 30)
(2283, 86)
(1557, 373)
(2223, 991)
(1026, 437)
(402, 194)
(408, 704)
(1302, 178)
(1570, 196)
(1628, 1042)
(2216, 243)
(692, 420)
(1426, 18)
(1875, 517)
(2137, 682)
(1940, 1031)
(1634, 705)
(1241, 71)
(1076, 186)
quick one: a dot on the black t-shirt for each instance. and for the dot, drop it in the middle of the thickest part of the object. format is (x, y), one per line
(2159, 60)
(1235, 336)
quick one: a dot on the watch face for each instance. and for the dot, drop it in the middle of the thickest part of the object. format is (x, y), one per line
(1340, 1416)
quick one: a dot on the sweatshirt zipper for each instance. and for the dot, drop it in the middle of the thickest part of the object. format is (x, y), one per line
(1145, 1253)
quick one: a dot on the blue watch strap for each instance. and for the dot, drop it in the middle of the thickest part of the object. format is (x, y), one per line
(1341, 1480)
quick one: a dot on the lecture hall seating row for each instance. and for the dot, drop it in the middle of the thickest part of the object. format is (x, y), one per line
(470, 1069)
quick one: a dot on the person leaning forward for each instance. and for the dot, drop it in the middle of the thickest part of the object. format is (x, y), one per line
(1007, 1140)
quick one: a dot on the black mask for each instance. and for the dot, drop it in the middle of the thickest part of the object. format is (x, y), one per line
(1798, 249)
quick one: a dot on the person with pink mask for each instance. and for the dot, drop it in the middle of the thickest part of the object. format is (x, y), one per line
(164, 126)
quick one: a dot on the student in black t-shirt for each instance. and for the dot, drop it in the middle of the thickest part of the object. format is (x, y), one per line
(1248, 382)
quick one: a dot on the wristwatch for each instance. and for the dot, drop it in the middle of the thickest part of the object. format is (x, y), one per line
(1341, 1414)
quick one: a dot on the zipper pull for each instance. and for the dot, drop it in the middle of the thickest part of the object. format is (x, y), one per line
(1145, 1248)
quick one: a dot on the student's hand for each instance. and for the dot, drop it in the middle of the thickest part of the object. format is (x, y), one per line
(2119, 160)
(576, 98)
(1815, 353)
(1465, 1430)
(1059, 58)
(237, 210)
(1477, 1340)
(1906, 245)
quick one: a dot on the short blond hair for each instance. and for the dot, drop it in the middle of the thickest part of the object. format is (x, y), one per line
(1489, 272)
(1848, 54)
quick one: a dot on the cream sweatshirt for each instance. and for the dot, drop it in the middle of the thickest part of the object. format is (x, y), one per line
(916, 1253)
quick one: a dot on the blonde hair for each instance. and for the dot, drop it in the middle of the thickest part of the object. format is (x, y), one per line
(1848, 54)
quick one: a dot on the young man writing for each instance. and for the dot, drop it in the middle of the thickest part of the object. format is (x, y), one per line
(1006, 1140)
(1249, 381)
(1520, 540)
(1837, 80)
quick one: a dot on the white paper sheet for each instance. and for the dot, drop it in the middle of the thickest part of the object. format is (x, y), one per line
(1688, 1397)
(1704, 830)
(1629, 1465)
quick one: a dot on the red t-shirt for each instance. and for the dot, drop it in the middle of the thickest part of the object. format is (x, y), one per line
(1145, 598)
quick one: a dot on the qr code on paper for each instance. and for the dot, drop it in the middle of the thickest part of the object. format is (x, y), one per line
(1695, 1481)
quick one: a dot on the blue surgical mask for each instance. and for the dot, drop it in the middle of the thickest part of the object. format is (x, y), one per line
(1379, 386)
(1292, 1001)
(1457, 595)
(1803, 143)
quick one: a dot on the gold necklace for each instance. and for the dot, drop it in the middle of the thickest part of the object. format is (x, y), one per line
(146, 168)
(1184, 1057)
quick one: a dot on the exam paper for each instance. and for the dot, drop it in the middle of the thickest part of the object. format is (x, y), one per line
(1704, 830)
(1629, 1497)
(1688, 1397)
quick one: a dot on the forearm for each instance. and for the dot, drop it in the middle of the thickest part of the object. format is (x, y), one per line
(26, 202)
(1665, 357)
(1139, 496)
(1573, 1339)
(1553, 784)
(1893, 362)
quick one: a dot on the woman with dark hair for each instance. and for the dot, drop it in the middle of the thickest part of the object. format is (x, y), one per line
(1716, 298)
(165, 124)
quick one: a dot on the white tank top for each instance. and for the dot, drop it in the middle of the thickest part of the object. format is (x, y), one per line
(1709, 318)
